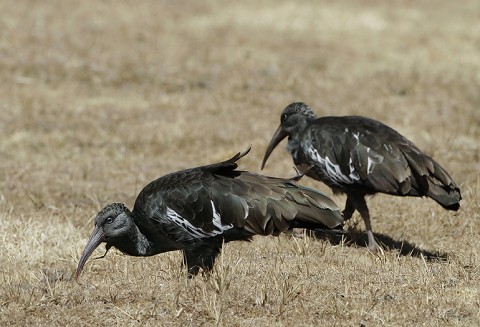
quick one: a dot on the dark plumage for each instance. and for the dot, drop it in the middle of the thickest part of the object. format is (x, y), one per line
(359, 156)
(195, 210)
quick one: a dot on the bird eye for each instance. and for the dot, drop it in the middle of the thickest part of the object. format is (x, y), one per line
(284, 117)
(109, 220)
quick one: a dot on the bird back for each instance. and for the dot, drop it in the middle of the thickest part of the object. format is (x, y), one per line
(366, 156)
(217, 199)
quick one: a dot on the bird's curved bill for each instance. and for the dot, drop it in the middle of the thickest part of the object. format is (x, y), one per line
(279, 135)
(95, 240)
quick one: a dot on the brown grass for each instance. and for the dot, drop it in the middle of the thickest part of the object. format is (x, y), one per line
(98, 98)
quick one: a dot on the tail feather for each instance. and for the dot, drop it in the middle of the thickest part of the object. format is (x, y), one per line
(277, 204)
(443, 189)
(315, 207)
(448, 197)
(432, 180)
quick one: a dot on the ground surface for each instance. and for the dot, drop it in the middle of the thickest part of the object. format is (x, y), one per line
(99, 98)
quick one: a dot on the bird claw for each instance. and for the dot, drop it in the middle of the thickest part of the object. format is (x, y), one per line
(372, 244)
(301, 171)
(107, 248)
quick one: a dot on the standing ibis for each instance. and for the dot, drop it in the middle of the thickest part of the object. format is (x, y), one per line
(359, 156)
(198, 209)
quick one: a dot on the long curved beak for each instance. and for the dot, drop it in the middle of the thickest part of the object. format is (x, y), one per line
(95, 240)
(279, 135)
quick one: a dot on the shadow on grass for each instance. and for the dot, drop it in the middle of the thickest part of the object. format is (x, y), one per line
(358, 238)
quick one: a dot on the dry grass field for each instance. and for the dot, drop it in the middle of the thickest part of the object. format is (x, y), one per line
(99, 98)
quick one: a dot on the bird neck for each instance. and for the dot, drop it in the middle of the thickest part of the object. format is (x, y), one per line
(133, 242)
(296, 136)
(293, 144)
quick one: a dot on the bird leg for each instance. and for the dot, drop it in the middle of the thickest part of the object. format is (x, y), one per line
(202, 256)
(349, 209)
(361, 206)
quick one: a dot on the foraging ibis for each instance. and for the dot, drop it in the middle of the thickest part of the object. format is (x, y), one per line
(359, 156)
(198, 209)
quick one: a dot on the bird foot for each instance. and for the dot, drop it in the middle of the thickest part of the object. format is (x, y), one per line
(372, 244)
(298, 232)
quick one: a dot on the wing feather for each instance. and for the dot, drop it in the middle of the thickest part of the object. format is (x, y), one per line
(217, 199)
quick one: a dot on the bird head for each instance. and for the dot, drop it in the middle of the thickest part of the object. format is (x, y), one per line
(294, 118)
(111, 224)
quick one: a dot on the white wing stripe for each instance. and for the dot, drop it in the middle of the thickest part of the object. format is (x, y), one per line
(370, 163)
(332, 170)
(217, 221)
(197, 232)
